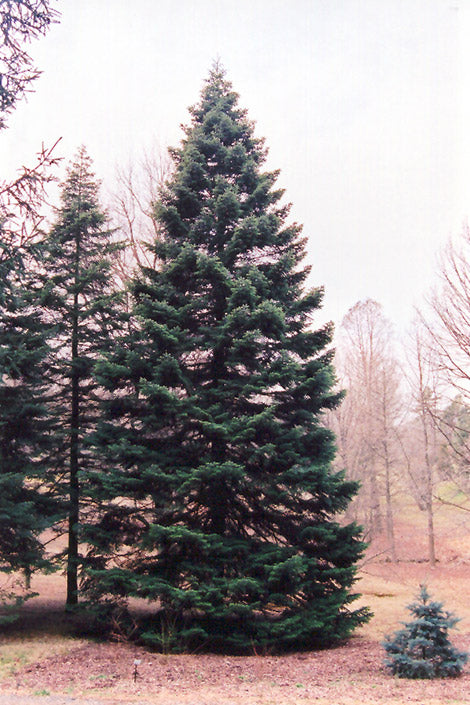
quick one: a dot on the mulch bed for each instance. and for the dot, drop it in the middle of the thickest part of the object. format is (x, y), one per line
(350, 673)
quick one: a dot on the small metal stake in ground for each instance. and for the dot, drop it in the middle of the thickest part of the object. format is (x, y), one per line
(137, 662)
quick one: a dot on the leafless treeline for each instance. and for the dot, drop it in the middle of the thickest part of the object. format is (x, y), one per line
(404, 426)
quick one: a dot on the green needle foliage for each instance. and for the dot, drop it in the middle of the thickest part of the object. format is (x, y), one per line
(422, 649)
(25, 506)
(79, 299)
(219, 504)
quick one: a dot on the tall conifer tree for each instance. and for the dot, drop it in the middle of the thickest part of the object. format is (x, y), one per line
(80, 300)
(25, 505)
(215, 434)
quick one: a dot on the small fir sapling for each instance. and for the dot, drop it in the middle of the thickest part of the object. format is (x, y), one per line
(422, 649)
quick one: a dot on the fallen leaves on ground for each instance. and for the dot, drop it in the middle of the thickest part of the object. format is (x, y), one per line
(351, 673)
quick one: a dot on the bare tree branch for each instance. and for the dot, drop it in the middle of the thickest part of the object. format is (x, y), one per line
(132, 212)
(20, 22)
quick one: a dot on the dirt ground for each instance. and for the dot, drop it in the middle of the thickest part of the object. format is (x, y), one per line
(66, 671)
(350, 674)
(353, 673)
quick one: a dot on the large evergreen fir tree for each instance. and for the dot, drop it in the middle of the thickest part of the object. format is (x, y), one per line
(80, 300)
(219, 503)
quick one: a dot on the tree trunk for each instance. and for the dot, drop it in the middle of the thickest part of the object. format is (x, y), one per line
(389, 509)
(74, 490)
(428, 489)
(374, 500)
(429, 501)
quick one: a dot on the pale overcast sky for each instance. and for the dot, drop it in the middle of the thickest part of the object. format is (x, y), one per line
(364, 104)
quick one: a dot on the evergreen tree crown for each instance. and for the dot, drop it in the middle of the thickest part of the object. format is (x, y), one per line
(216, 435)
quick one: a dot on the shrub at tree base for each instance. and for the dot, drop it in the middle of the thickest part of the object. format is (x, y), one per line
(422, 649)
(13, 595)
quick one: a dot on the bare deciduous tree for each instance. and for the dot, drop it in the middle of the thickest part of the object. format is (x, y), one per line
(132, 212)
(447, 324)
(366, 422)
(450, 324)
(422, 441)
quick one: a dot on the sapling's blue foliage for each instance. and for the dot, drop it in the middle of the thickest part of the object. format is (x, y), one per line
(422, 649)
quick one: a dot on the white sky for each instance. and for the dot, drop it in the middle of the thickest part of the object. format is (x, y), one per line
(364, 104)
